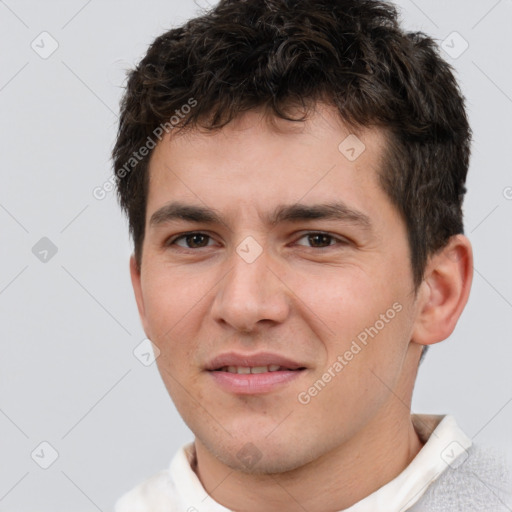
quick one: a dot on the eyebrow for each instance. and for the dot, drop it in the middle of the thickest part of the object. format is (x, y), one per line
(283, 213)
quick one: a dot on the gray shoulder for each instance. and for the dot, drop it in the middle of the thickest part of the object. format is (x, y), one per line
(155, 494)
(479, 480)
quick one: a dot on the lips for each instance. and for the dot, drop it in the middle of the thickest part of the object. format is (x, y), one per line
(253, 374)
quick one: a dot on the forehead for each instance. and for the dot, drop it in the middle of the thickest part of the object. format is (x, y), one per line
(257, 162)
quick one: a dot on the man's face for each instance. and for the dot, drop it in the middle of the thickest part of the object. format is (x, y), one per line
(301, 294)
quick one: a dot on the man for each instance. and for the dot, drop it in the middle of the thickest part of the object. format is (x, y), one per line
(293, 174)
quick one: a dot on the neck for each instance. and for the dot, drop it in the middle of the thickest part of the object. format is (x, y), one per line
(335, 481)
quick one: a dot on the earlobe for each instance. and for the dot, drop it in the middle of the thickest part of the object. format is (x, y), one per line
(135, 275)
(444, 291)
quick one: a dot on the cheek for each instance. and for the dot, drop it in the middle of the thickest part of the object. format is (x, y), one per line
(363, 364)
(345, 300)
(168, 298)
(369, 326)
(173, 313)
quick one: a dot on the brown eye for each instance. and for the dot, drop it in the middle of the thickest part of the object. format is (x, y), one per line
(320, 240)
(192, 240)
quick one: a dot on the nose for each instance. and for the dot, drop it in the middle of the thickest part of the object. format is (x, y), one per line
(251, 295)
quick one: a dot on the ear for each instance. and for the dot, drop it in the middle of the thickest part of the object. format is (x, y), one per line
(135, 275)
(444, 291)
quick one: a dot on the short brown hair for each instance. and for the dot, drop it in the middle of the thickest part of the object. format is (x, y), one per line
(276, 54)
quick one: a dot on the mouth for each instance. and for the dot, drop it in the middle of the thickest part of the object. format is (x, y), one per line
(246, 370)
(249, 363)
(253, 374)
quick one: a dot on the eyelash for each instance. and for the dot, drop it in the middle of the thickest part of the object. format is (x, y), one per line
(171, 241)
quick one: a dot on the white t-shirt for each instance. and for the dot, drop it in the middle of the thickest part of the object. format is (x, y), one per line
(178, 489)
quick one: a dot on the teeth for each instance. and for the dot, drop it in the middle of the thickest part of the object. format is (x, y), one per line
(238, 369)
(252, 369)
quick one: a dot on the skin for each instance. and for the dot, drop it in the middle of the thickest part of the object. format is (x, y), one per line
(304, 297)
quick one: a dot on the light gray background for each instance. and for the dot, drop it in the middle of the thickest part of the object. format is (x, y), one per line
(69, 326)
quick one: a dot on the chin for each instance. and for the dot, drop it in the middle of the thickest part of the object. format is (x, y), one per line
(257, 454)
(268, 464)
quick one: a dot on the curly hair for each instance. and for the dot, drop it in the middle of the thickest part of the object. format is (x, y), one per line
(280, 54)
